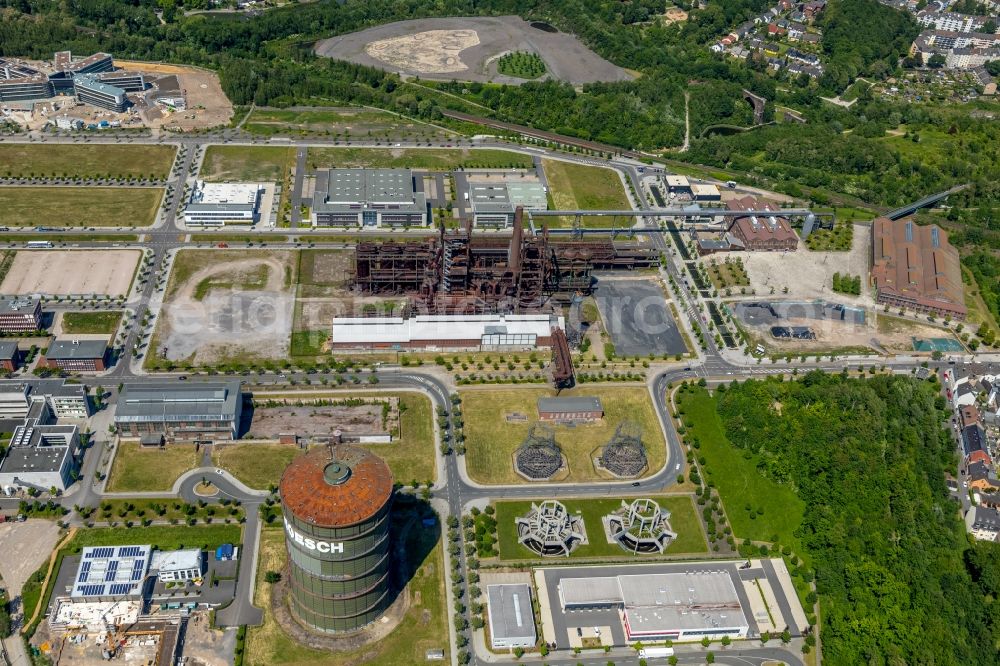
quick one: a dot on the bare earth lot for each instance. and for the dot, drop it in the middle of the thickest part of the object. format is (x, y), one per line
(465, 47)
(270, 422)
(809, 275)
(227, 305)
(25, 546)
(64, 272)
(207, 105)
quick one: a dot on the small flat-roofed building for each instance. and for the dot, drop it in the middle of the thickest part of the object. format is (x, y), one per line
(181, 411)
(915, 267)
(561, 408)
(481, 332)
(760, 232)
(217, 204)
(677, 185)
(493, 204)
(109, 573)
(512, 619)
(177, 565)
(983, 523)
(40, 456)
(8, 355)
(705, 192)
(367, 198)
(64, 400)
(20, 314)
(14, 400)
(73, 354)
(674, 606)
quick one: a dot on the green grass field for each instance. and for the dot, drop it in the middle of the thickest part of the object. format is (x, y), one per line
(577, 186)
(256, 465)
(85, 160)
(91, 322)
(164, 537)
(247, 163)
(136, 469)
(79, 206)
(683, 520)
(737, 480)
(491, 440)
(423, 627)
(338, 121)
(436, 159)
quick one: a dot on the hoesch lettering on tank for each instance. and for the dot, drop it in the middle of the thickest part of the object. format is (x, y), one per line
(336, 505)
(312, 544)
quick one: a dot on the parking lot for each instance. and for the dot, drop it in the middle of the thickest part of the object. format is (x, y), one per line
(635, 315)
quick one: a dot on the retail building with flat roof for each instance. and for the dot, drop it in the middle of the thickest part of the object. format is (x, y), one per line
(217, 204)
(511, 616)
(675, 606)
(184, 411)
(367, 198)
(493, 204)
(915, 267)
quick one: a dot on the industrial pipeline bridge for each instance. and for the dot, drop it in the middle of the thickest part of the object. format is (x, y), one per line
(929, 200)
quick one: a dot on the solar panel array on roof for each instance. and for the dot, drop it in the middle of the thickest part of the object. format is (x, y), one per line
(111, 571)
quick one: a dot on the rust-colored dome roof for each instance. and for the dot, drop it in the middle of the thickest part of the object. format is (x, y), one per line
(347, 489)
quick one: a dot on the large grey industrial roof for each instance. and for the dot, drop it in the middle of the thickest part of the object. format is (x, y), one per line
(336, 189)
(510, 611)
(570, 404)
(67, 349)
(175, 401)
(34, 455)
(657, 603)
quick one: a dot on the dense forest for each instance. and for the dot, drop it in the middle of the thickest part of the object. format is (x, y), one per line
(897, 580)
(269, 61)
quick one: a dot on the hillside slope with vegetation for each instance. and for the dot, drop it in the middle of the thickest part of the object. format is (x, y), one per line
(897, 581)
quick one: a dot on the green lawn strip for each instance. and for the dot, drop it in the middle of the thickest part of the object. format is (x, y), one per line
(78, 207)
(437, 159)
(69, 239)
(737, 480)
(491, 440)
(136, 469)
(336, 121)
(237, 237)
(85, 161)
(256, 465)
(683, 520)
(423, 627)
(246, 163)
(583, 187)
(91, 322)
(162, 509)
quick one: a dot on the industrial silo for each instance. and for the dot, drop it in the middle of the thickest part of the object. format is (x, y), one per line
(336, 505)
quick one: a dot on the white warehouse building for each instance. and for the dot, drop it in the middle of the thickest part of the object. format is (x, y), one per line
(218, 204)
(486, 332)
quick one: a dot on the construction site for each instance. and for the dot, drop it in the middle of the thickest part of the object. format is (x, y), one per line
(457, 272)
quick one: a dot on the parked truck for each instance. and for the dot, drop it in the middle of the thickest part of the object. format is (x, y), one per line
(655, 652)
